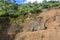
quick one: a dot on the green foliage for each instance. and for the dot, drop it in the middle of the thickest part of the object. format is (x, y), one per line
(8, 9)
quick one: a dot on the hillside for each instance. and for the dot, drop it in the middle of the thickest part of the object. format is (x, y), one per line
(29, 21)
(46, 27)
(51, 33)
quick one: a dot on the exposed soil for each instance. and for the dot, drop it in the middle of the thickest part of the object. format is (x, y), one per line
(51, 19)
(44, 26)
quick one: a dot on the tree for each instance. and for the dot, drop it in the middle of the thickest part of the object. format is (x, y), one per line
(35, 3)
(14, 5)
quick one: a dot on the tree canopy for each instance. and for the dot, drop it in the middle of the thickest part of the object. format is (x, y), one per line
(9, 9)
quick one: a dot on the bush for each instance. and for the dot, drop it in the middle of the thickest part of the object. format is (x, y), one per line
(16, 10)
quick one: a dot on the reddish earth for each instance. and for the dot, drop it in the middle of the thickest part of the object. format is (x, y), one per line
(49, 18)
(52, 19)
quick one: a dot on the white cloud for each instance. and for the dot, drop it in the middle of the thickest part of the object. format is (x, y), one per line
(34, 1)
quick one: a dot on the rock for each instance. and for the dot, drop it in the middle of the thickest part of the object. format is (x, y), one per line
(32, 28)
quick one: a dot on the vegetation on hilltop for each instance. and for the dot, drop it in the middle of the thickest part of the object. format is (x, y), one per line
(13, 10)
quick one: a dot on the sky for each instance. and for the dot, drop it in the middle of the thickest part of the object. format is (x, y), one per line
(26, 1)
(20, 1)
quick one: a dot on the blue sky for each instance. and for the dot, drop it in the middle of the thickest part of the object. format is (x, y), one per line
(26, 1)
(20, 1)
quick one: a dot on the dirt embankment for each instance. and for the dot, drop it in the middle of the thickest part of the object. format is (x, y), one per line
(50, 19)
(45, 26)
